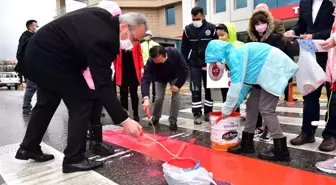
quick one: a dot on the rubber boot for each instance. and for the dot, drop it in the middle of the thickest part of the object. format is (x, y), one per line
(97, 146)
(245, 146)
(279, 152)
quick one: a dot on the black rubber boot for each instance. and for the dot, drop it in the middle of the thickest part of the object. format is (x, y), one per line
(246, 145)
(97, 146)
(279, 152)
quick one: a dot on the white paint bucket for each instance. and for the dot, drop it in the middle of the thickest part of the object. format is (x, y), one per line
(225, 133)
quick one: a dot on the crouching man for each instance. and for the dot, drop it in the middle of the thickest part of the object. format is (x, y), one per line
(165, 65)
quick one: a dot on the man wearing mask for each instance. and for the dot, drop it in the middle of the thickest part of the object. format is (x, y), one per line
(145, 47)
(315, 22)
(196, 37)
(31, 88)
(55, 59)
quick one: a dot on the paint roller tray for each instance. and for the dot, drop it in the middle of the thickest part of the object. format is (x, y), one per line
(186, 163)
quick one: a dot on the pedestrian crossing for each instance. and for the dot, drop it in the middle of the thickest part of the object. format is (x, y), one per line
(16, 172)
(186, 121)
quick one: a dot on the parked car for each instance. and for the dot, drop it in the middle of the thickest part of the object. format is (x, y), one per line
(9, 80)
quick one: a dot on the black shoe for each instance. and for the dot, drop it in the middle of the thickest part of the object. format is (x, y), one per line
(103, 149)
(84, 165)
(246, 145)
(23, 154)
(279, 152)
(206, 117)
(198, 119)
(172, 125)
(153, 122)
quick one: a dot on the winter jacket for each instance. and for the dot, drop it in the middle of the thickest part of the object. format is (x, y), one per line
(174, 68)
(145, 47)
(138, 64)
(232, 34)
(195, 41)
(61, 50)
(23, 41)
(269, 37)
(251, 64)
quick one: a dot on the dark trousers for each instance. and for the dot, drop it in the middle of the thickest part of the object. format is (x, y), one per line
(31, 89)
(80, 111)
(133, 90)
(311, 111)
(96, 128)
(196, 77)
(224, 93)
(330, 129)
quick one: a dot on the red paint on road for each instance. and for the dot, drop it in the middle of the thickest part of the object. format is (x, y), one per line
(235, 169)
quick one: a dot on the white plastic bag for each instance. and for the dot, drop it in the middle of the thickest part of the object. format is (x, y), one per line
(177, 176)
(310, 75)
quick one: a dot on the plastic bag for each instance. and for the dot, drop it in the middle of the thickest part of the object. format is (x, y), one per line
(178, 176)
(310, 75)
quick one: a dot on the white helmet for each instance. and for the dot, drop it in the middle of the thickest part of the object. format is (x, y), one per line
(148, 32)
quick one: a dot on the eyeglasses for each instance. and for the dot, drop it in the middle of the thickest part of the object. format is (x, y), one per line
(134, 38)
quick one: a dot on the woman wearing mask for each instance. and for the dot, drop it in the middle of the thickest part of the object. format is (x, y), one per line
(228, 32)
(261, 26)
(129, 66)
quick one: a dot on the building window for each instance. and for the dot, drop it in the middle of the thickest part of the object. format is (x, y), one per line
(220, 6)
(270, 3)
(287, 2)
(203, 4)
(241, 4)
(170, 16)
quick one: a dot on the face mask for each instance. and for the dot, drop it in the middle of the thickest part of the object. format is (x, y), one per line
(261, 28)
(198, 24)
(35, 30)
(126, 44)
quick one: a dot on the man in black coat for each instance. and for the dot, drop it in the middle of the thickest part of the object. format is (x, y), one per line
(315, 22)
(56, 57)
(195, 39)
(165, 65)
(31, 88)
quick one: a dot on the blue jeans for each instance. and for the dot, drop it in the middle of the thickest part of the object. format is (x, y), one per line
(31, 89)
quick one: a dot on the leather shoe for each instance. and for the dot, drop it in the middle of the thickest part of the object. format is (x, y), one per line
(84, 165)
(302, 139)
(328, 144)
(103, 149)
(23, 154)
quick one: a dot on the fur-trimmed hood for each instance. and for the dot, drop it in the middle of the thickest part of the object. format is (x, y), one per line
(270, 26)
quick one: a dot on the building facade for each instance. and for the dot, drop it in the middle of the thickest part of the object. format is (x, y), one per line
(164, 16)
(239, 11)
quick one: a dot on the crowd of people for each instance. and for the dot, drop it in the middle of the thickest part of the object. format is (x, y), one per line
(55, 58)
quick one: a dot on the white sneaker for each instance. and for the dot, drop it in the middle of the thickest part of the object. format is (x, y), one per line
(328, 166)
